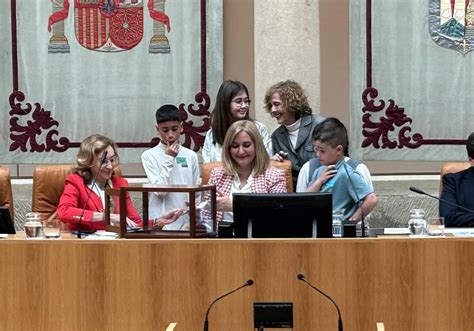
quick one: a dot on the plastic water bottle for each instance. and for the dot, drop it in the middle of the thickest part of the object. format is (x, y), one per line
(337, 219)
(359, 228)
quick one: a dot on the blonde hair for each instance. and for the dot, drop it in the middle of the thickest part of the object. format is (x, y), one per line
(90, 147)
(262, 160)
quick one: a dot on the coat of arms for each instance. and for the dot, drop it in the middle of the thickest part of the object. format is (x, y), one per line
(452, 24)
(108, 25)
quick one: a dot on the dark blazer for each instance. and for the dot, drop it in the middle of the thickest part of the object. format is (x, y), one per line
(459, 189)
(303, 150)
(75, 196)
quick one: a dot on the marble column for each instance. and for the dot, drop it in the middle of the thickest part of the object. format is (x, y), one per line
(286, 47)
(159, 43)
(58, 42)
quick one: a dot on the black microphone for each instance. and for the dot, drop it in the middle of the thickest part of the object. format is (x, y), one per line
(339, 322)
(417, 190)
(206, 321)
(103, 159)
(359, 202)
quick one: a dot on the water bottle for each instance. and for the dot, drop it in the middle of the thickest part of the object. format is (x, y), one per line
(359, 228)
(417, 223)
(337, 219)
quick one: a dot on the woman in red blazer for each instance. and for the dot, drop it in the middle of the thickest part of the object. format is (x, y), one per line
(96, 160)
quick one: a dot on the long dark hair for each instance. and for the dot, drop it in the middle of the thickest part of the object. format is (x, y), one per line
(221, 117)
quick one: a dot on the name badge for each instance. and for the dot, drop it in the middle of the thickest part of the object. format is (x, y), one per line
(182, 161)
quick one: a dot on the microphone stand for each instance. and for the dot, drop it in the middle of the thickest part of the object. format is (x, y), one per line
(206, 321)
(339, 321)
(417, 190)
(359, 202)
(102, 162)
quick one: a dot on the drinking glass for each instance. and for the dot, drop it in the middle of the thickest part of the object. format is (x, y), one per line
(52, 229)
(435, 226)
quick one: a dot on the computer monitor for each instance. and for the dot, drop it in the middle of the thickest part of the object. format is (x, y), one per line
(6, 222)
(282, 215)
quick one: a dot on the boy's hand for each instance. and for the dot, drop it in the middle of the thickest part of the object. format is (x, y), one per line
(328, 173)
(168, 218)
(323, 177)
(173, 149)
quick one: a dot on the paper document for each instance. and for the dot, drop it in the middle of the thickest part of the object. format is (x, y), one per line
(398, 231)
(460, 232)
(101, 234)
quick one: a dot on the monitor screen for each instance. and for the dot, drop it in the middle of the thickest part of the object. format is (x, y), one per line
(282, 215)
(6, 222)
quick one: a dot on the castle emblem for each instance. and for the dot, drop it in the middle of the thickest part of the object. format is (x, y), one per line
(452, 24)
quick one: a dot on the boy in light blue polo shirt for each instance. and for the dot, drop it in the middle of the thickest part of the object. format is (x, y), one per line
(349, 189)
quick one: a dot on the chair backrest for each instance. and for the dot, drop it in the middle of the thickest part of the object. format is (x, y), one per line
(449, 168)
(6, 195)
(285, 166)
(48, 186)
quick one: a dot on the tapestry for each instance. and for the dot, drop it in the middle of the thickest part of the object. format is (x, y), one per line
(411, 79)
(72, 68)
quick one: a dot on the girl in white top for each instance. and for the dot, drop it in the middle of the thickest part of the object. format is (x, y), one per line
(232, 104)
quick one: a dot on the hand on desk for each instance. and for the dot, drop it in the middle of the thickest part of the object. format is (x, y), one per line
(223, 203)
(115, 220)
(168, 218)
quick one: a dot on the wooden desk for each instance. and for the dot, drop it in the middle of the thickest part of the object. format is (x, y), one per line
(409, 284)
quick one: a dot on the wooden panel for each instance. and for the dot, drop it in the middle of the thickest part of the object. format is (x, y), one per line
(409, 284)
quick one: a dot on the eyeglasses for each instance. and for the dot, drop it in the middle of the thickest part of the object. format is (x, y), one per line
(113, 160)
(240, 102)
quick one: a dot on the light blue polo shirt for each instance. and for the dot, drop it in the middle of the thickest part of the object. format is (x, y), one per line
(344, 193)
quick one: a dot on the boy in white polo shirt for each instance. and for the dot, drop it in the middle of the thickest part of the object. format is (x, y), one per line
(169, 163)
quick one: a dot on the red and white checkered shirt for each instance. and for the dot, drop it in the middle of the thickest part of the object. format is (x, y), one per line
(272, 181)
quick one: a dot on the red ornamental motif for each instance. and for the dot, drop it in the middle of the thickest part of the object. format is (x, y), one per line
(41, 120)
(193, 133)
(379, 131)
(108, 26)
(127, 28)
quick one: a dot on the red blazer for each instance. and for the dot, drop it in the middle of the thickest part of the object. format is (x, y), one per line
(74, 197)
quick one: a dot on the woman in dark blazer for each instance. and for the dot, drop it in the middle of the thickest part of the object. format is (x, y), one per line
(287, 102)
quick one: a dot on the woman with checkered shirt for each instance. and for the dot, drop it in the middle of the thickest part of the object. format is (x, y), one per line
(246, 168)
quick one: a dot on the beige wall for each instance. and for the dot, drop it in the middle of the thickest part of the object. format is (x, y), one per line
(239, 43)
(286, 47)
(334, 57)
